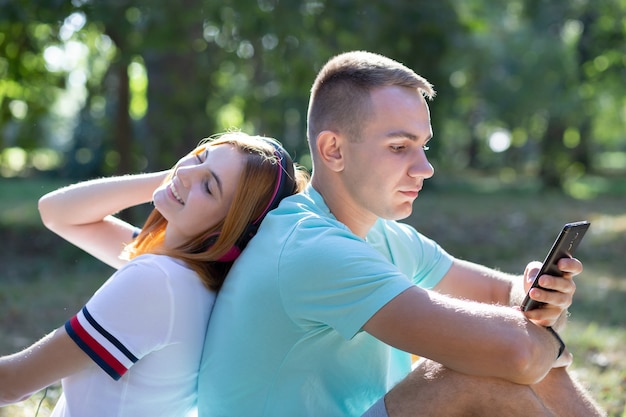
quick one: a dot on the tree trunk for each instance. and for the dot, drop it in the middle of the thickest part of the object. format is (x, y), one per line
(553, 159)
(122, 131)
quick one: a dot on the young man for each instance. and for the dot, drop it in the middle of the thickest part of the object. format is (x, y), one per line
(316, 317)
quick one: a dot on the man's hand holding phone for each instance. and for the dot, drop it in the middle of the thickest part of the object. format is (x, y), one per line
(555, 292)
(550, 286)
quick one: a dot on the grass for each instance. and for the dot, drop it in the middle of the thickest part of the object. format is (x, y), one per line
(46, 280)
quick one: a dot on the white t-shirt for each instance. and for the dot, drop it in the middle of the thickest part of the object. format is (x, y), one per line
(144, 329)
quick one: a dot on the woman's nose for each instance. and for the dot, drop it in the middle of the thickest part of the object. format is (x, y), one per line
(186, 174)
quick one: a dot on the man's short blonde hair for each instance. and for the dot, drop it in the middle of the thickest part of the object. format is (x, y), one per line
(340, 96)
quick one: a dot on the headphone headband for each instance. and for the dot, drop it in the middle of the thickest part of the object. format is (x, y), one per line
(285, 184)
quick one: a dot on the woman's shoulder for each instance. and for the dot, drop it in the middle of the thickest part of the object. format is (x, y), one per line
(151, 269)
(157, 261)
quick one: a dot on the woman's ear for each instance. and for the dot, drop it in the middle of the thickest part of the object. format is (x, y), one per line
(330, 151)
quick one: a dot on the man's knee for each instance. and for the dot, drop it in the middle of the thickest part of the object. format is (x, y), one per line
(429, 385)
(432, 389)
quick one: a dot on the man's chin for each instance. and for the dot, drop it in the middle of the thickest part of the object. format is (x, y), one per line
(400, 214)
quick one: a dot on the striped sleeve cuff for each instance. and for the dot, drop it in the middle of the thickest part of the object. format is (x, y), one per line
(101, 346)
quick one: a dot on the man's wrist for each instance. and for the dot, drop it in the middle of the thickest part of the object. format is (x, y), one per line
(561, 321)
(558, 338)
(516, 292)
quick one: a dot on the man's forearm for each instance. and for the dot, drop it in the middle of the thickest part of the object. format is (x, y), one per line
(517, 293)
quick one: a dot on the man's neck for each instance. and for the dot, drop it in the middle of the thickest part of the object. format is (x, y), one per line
(358, 220)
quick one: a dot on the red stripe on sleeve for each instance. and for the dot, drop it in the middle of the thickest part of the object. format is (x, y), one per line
(96, 347)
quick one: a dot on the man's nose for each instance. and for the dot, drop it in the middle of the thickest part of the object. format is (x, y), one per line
(421, 167)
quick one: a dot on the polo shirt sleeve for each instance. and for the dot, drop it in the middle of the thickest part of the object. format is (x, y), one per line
(418, 257)
(329, 277)
(127, 318)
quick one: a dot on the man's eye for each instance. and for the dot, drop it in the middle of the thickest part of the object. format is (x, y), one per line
(397, 148)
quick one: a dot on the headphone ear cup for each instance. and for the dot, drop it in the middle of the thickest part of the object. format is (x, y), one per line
(231, 254)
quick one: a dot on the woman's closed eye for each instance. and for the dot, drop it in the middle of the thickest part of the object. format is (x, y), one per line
(207, 187)
(212, 183)
(201, 157)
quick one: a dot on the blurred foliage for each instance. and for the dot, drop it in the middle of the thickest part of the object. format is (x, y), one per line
(526, 89)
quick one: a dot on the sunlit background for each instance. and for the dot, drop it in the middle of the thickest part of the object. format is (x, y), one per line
(529, 127)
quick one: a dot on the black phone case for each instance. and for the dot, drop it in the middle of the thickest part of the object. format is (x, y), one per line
(564, 247)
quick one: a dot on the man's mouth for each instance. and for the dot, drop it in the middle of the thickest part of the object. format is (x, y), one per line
(413, 193)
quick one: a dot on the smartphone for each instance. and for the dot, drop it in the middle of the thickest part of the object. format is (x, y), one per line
(563, 247)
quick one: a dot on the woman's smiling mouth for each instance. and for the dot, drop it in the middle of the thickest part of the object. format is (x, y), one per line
(175, 194)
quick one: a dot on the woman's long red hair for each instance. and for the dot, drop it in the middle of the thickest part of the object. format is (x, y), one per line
(254, 189)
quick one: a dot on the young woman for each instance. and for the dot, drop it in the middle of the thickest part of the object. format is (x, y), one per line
(134, 349)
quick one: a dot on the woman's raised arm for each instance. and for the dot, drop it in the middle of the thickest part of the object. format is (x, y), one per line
(82, 213)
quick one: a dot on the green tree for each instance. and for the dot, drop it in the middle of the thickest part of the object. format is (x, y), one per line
(551, 74)
(524, 67)
(27, 87)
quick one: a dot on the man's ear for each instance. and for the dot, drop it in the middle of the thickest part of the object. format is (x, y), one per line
(330, 150)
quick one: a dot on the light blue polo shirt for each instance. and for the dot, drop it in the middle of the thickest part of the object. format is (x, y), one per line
(285, 337)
